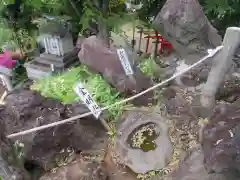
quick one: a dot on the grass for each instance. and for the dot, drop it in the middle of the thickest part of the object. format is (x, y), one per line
(150, 68)
(146, 66)
(151, 175)
(61, 87)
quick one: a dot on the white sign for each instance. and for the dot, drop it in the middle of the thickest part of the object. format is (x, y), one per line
(124, 61)
(87, 99)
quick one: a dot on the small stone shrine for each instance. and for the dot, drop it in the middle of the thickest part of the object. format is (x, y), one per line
(60, 52)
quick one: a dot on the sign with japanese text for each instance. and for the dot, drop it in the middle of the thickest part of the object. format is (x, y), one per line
(122, 55)
(87, 99)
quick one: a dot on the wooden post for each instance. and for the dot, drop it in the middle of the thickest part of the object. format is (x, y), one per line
(221, 63)
(156, 46)
(140, 40)
(147, 43)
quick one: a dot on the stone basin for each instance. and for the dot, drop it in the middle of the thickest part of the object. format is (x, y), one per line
(138, 160)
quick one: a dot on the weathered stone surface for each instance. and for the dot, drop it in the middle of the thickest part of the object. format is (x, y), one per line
(199, 74)
(168, 64)
(222, 62)
(185, 26)
(192, 168)
(10, 168)
(81, 169)
(221, 144)
(9, 172)
(229, 90)
(135, 158)
(105, 61)
(25, 109)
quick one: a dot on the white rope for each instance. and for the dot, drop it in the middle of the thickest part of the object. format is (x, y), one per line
(211, 54)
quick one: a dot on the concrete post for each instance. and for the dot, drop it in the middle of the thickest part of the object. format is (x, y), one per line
(221, 63)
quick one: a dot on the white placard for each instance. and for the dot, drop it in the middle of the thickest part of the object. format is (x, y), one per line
(122, 55)
(87, 99)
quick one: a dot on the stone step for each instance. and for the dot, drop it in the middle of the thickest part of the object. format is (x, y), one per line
(36, 70)
(36, 74)
(57, 64)
(41, 66)
(48, 62)
(63, 59)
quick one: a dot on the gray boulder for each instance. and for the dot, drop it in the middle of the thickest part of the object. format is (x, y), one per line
(185, 26)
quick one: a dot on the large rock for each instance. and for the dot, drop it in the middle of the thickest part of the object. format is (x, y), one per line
(10, 168)
(105, 61)
(80, 169)
(229, 90)
(25, 110)
(192, 168)
(221, 142)
(150, 153)
(185, 26)
(199, 74)
(9, 172)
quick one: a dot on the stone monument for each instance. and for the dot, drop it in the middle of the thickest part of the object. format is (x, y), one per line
(60, 52)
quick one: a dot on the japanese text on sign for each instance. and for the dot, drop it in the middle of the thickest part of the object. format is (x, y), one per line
(124, 61)
(87, 99)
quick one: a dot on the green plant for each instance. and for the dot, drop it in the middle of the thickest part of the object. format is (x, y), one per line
(6, 36)
(146, 66)
(112, 133)
(144, 137)
(61, 87)
(150, 175)
(64, 157)
(151, 69)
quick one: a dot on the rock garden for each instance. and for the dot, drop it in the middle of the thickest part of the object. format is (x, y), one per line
(168, 133)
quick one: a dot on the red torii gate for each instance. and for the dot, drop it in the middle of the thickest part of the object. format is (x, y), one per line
(164, 45)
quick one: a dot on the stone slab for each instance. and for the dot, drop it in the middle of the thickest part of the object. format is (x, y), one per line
(63, 59)
(6, 71)
(57, 64)
(36, 70)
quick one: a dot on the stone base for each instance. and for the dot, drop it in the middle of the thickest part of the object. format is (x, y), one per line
(41, 66)
(61, 59)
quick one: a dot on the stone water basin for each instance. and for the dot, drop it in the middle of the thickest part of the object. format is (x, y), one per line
(142, 141)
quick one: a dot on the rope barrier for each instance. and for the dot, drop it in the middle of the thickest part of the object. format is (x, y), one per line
(211, 53)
